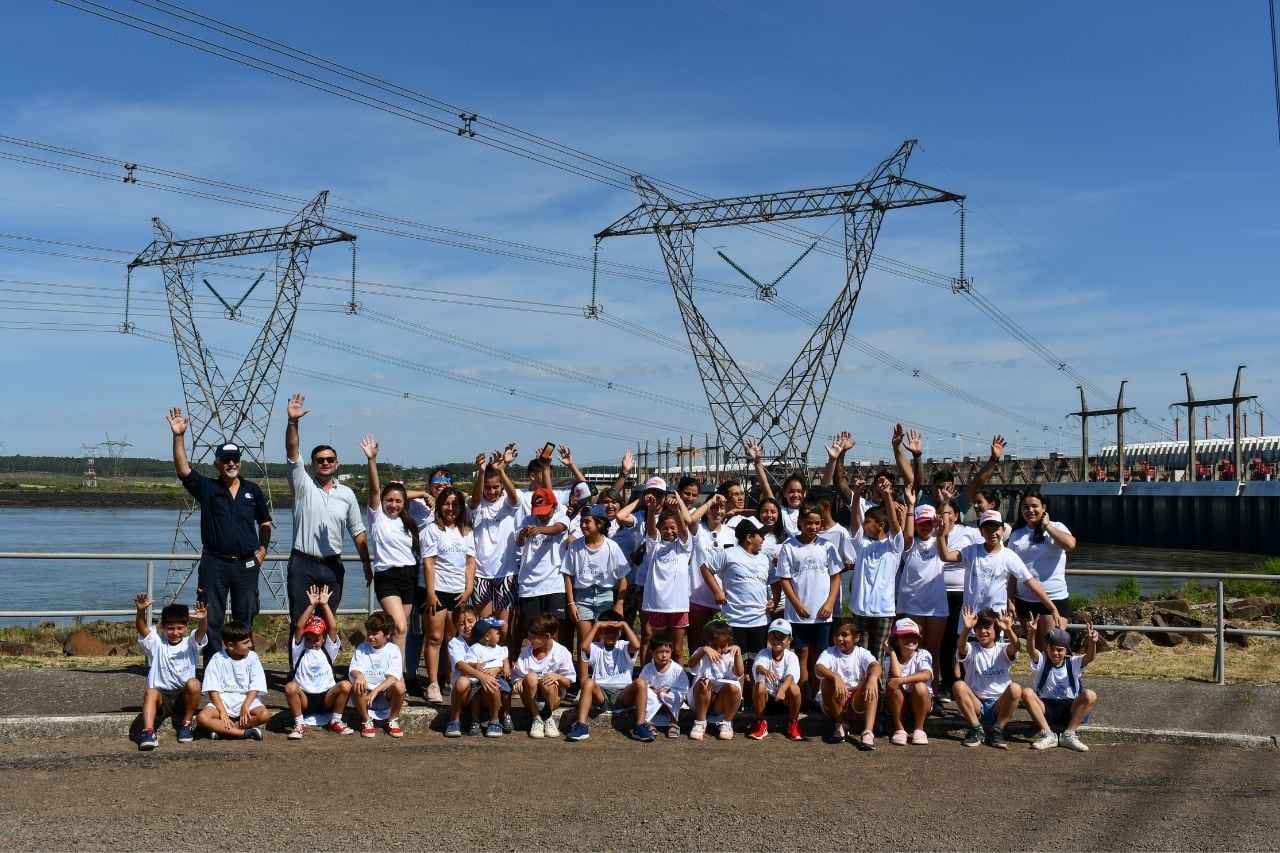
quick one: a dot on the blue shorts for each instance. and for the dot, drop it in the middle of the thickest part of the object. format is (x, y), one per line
(806, 634)
(987, 714)
(591, 601)
(1057, 712)
(504, 686)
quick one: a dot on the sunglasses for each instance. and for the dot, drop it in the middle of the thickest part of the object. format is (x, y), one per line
(325, 460)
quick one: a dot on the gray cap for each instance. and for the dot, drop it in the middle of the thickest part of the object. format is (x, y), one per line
(1058, 637)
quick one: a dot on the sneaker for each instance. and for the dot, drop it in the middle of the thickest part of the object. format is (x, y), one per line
(454, 729)
(726, 731)
(1072, 742)
(215, 736)
(366, 729)
(579, 732)
(433, 694)
(340, 728)
(508, 726)
(698, 730)
(643, 733)
(974, 737)
(1045, 740)
(793, 730)
(185, 733)
(493, 730)
(673, 731)
(148, 741)
(393, 728)
(253, 733)
(996, 738)
(759, 731)
(476, 730)
(899, 738)
(572, 696)
(536, 729)
(866, 743)
(919, 738)
(298, 730)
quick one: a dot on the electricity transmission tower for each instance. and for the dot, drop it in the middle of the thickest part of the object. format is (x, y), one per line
(788, 418)
(238, 411)
(115, 450)
(90, 456)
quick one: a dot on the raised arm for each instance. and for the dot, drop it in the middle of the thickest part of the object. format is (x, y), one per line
(291, 440)
(855, 505)
(916, 448)
(178, 424)
(624, 515)
(694, 516)
(909, 525)
(141, 602)
(1005, 621)
(566, 458)
(370, 448)
(1029, 629)
(840, 444)
(624, 472)
(895, 519)
(1092, 648)
(997, 453)
(756, 454)
(900, 455)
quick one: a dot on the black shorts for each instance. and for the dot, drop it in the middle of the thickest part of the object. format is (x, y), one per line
(447, 600)
(315, 705)
(810, 634)
(535, 605)
(400, 581)
(1027, 608)
(1057, 712)
(169, 701)
(751, 640)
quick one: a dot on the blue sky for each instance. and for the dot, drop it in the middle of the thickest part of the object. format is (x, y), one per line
(1121, 162)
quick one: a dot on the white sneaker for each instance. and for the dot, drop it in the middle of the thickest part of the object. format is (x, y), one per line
(726, 731)
(536, 729)
(433, 694)
(1045, 740)
(1071, 742)
(699, 729)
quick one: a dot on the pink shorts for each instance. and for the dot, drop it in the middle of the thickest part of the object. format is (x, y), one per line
(658, 621)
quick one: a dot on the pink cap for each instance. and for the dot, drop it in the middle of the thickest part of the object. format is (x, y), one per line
(906, 626)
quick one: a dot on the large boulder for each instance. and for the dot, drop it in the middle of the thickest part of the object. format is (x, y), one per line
(1171, 638)
(84, 644)
(1131, 640)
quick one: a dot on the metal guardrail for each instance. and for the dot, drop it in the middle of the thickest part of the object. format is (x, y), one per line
(1220, 630)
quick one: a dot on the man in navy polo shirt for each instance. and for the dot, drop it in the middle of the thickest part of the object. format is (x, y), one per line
(235, 530)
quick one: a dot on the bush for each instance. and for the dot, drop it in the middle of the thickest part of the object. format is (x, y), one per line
(1270, 566)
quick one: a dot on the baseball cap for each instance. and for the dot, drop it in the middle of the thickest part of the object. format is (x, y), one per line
(225, 450)
(906, 626)
(926, 513)
(990, 516)
(1058, 637)
(544, 502)
(482, 627)
(655, 483)
(581, 492)
(780, 626)
(316, 625)
(596, 511)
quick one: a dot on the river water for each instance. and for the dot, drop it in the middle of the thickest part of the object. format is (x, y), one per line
(28, 585)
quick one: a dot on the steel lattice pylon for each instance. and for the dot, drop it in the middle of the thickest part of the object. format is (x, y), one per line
(240, 410)
(787, 420)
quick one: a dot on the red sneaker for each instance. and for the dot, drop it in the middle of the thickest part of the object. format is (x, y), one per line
(393, 728)
(366, 729)
(759, 731)
(793, 731)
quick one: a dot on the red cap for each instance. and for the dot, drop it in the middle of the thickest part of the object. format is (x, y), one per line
(316, 625)
(544, 502)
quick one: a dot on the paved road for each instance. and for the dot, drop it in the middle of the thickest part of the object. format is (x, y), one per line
(327, 792)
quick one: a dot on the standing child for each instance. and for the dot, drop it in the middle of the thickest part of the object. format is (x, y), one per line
(668, 556)
(717, 671)
(608, 661)
(849, 683)
(311, 690)
(660, 689)
(542, 540)
(777, 682)
(495, 510)
(542, 673)
(922, 588)
(739, 580)
(484, 680)
(375, 673)
(910, 671)
(878, 545)
(171, 667)
(449, 576)
(809, 572)
(988, 695)
(235, 682)
(595, 575)
(1059, 699)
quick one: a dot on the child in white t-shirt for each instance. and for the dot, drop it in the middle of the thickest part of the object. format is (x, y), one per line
(1058, 699)
(484, 681)
(542, 673)
(717, 671)
(849, 683)
(661, 688)
(988, 694)
(878, 543)
(777, 682)
(667, 566)
(376, 674)
(608, 651)
(809, 573)
(235, 682)
(311, 690)
(910, 672)
(171, 668)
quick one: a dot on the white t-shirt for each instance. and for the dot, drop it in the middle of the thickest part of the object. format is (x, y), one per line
(876, 574)
(493, 525)
(1057, 685)
(953, 573)
(922, 591)
(487, 657)
(988, 672)
(376, 664)
(390, 542)
(451, 548)
(232, 680)
(719, 673)
(1046, 559)
(986, 576)
(611, 667)
(313, 671)
(604, 566)
(170, 665)
(771, 548)
(541, 557)
(920, 661)
(458, 649)
(704, 542)
(850, 668)
(557, 660)
(667, 690)
(791, 519)
(810, 568)
(779, 669)
(842, 540)
(667, 568)
(744, 577)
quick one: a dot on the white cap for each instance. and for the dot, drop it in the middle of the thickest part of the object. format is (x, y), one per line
(655, 483)
(990, 516)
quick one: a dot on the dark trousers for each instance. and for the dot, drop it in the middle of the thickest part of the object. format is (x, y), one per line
(947, 651)
(215, 580)
(306, 571)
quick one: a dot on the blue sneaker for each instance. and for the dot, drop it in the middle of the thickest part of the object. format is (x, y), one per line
(494, 730)
(579, 732)
(454, 729)
(185, 733)
(254, 733)
(476, 730)
(643, 733)
(148, 741)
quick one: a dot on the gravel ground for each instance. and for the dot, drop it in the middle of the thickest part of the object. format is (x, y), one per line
(424, 792)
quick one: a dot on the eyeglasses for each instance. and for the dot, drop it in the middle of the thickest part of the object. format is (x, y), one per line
(325, 460)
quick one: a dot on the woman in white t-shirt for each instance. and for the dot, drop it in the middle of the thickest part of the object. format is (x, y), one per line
(448, 578)
(395, 544)
(1043, 545)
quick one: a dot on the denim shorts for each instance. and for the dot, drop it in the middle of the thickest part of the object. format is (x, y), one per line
(592, 601)
(504, 686)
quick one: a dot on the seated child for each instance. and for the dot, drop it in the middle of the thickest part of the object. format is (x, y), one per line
(609, 660)
(376, 674)
(235, 682)
(849, 683)
(988, 694)
(543, 673)
(464, 618)
(171, 667)
(484, 682)
(311, 690)
(1059, 700)
(660, 689)
(777, 682)
(717, 671)
(910, 671)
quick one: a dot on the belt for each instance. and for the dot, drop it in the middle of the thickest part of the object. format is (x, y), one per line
(231, 558)
(333, 558)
